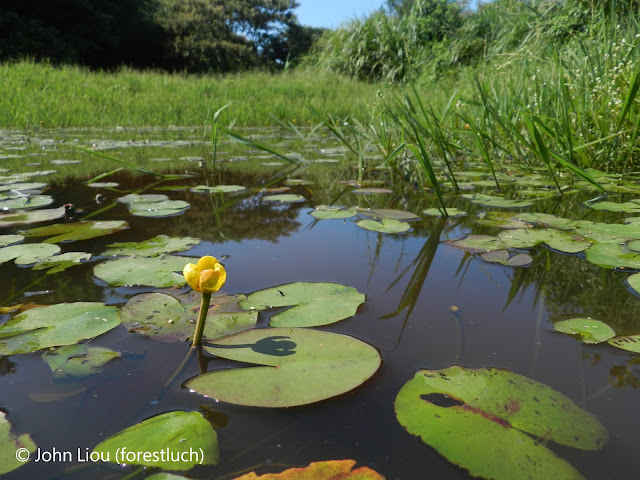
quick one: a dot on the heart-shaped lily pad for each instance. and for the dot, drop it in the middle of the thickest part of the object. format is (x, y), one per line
(611, 255)
(384, 226)
(9, 445)
(495, 201)
(219, 188)
(10, 239)
(558, 240)
(389, 213)
(143, 198)
(470, 416)
(27, 253)
(502, 220)
(302, 366)
(103, 184)
(158, 245)
(588, 329)
(71, 232)
(372, 191)
(326, 212)
(313, 304)
(164, 208)
(502, 257)
(77, 361)
(478, 243)
(172, 318)
(21, 186)
(165, 441)
(56, 325)
(24, 202)
(634, 282)
(451, 211)
(626, 207)
(284, 198)
(153, 272)
(31, 216)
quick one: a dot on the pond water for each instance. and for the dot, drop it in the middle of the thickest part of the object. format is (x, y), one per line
(429, 304)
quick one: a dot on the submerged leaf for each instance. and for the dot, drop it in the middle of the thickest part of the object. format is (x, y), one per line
(171, 436)
(9, 444)
(77, 360)
(589, 330)
(310, 366)
(327, 470)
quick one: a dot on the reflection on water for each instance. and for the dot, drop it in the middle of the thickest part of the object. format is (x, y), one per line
(428, 305)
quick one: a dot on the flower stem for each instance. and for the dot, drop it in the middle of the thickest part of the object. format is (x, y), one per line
(202, 318)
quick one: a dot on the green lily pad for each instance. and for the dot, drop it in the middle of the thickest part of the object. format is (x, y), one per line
(611, 255)
(607, 232)
(19, 186)
(158, 245)
(558, 240)
(164, 208)
(219, 188)
(71, 232)
(10, 239)
(547, 220)
(495, 201)
(478, 243)
(284, 198)
(171, 436)
(312, 304)
(59, 263)
(77, 361)
(589, 330)
(172, 318)
(24, 202)
(31, 216)
(153, 272)
(297, 182)
(27, 253)
(56, 325)
(473, 417)
(626, 207)
(310, 366)
(372, 191)
(436, 212)
(10, 444)
(325, 212)
(630, 343)
(634, 282)
(502, 257)
(389, 213)
(103, 185)
(384, 226)
(502, 220)
(143, 198)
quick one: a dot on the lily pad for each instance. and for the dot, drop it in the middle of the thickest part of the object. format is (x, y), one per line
(312, 304)
(219, 188)
(502, 220)
(56, 325)
(558, 240)
(10, 445)
(284, 198)
(452, 211)
(59, 263)
(144, 198)
(372, 191)
(384, 226)
(473, 417)
(158, 245)
(77, 361)
(103, 185)
(502, 257)
(495, 201)
(310, 366)
(10, 239)
(27, 253)
(327, 470)
(26, 217)
(325, 212)
(634, 282)
(478, 243)
(20, 186)
(547, 220)
(611, 255)
(631, 343)
(71, 232)
(172, 318)
(175, 435)
(626, 207)
(390, 214)
(164, 208)
(24, 202)
(153, 272)
(589, 330)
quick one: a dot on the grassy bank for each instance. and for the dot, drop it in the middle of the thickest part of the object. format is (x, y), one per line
(35, 95)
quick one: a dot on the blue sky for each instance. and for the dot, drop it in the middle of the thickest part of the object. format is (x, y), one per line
(331, 13)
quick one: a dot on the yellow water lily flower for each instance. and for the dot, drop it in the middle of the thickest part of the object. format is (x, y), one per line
(207, 276)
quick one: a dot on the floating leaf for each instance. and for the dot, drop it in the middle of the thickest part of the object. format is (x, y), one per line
(164, 208)
(558, 240)
(452, 212)
(166, 476)
(495, 201)
(173, 318)
(589, 330)
(59, 263)
(297, 182)
(626, 207)
(503, 220)
(10, 239)
(24, 202)
(77, 360)
(313, 304)
(27, 253)
(634, 282)
(172, 436)
(310, 366)
(470, 416)
(327, 470)
(630, 343)
(372, 191)
(384, 226)
(20, 186)
(27, 217)
(390, 214)
(284, 198)
(103, 185)
(502, 257)
(71, 232)
(153, 272)
(56, 325)
(546, 220)
(10, 445)
(610, 255)
(144, 198)
(158, 245)
(478, 243)
(219, 188)
(325, 212)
